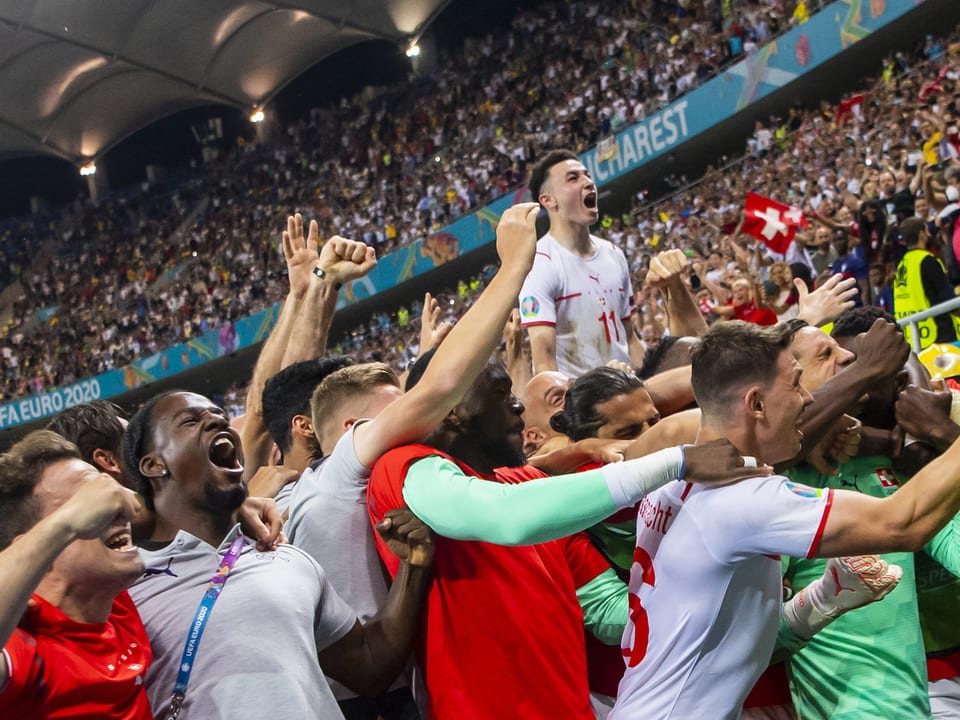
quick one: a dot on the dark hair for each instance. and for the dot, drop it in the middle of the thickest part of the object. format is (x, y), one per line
(802, 271)
(418, 369)
(858, 320)
(879, 220)
(579, 418)
(91, 426)
(910, 230)
(137, 442)
(288, 393)
(671, 352)
(731, 355)
(542, 168)
(20, 470)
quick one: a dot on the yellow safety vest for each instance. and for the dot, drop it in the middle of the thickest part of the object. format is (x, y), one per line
(909, 297)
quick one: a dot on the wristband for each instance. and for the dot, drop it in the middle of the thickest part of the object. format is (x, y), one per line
(322, 274)
(631, 480)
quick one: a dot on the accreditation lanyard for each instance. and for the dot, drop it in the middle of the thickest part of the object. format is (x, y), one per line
(210, 595)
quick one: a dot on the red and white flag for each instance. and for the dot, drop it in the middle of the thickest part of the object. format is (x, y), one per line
(772, 223)
(848, 108)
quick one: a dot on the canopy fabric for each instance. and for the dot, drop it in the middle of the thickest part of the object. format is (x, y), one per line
(79, 76)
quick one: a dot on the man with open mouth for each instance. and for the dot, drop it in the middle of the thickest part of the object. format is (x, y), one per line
(276, 613)
(577, 302)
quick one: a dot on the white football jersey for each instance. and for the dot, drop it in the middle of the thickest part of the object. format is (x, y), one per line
(588, 300)
(706, 594)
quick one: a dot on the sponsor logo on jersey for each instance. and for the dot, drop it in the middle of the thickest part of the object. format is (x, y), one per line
(804, 490)
(887, 478)
(160, 571)
(529, 306)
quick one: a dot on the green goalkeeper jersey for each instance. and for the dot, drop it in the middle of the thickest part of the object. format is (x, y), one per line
(869, 662)
(938, 589)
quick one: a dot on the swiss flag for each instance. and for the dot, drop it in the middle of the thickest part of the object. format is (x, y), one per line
(887, 478)
(772, 223)
(848, 107)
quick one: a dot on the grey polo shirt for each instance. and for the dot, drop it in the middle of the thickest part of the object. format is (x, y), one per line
(258, 654)
(329, 520)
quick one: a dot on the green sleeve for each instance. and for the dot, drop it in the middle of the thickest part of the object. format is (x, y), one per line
(945, 546)
(463, 507)
(605, 604)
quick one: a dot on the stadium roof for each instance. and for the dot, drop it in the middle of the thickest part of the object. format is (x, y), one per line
(79, 76)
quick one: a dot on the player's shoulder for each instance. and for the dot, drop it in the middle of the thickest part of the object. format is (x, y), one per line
(743, 492)
(547, 247)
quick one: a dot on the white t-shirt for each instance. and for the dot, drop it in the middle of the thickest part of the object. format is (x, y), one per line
(706, 595)
(329, 521)
(588, 300)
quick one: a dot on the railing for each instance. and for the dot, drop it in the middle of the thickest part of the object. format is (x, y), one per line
(912, 320)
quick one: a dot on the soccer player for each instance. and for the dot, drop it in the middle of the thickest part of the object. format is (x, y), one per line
(73, 644)
(725, 542)
(577, 302)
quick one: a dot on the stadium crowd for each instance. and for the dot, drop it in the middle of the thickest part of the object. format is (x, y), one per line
(403, 163)
(733, 493)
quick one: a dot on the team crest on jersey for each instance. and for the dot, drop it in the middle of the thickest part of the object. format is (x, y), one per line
(529, 306)
(887, 478)
(804, 490)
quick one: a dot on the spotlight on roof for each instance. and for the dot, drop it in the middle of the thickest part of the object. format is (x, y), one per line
(413, 49)
(256, 116)
(89, 169)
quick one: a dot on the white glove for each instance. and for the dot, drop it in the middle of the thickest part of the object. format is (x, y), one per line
(847, 583)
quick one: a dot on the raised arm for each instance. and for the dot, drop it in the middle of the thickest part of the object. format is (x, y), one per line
(304, 323)
(666, 274)
(340, 260)
(299, 253)
(99, 502)
(516, 359)
(904, 521)
(543, 347)
(462, 355)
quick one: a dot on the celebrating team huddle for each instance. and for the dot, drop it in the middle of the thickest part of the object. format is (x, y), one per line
(662, 466)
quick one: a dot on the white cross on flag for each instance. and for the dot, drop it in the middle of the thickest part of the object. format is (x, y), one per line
(772, 223)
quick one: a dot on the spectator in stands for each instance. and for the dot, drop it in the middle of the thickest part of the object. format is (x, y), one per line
(921, 282)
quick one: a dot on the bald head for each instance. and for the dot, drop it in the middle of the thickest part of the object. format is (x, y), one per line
(542, 397)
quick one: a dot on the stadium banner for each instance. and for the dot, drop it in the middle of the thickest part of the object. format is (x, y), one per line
(803, 48)
(214, 344)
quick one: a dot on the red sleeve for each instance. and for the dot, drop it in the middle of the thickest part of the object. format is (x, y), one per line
(584, 559)
(24, 675)
(385, 491)
(820, 528)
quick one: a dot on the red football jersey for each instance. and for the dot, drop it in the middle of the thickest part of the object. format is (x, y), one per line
(503, 632)
(60, 668)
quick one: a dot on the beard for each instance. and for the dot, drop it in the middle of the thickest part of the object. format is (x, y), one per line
(224, 500)
(504, 452)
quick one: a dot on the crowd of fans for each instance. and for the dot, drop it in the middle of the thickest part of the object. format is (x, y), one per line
(856, 172)
(385, 170)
